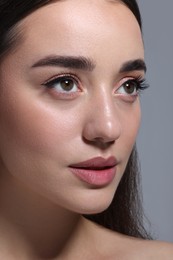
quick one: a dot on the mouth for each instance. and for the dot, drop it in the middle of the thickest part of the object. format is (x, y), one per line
(96, 163)
(96, 171)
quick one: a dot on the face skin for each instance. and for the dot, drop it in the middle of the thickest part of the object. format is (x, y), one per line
(43, 131)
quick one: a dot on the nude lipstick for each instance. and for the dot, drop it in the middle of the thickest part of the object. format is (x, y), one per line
(96, 171)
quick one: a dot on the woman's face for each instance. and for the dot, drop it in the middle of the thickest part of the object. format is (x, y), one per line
(68, 95)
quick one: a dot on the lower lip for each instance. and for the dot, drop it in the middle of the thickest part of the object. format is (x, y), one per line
(95, 177)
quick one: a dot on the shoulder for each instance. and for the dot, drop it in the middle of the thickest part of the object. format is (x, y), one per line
(159, 249)
(149, 249)
(113, 245)
(135, 249)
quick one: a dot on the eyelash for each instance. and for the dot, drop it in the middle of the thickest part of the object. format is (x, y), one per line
(142, 83)
(59, 78)
(63, 77)
(139, 82)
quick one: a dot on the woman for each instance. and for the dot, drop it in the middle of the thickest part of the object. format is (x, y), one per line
(71, 73)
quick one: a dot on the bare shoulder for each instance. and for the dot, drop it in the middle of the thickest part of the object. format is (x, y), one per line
(134, 249)
(149, 249)
(112, 245)
(159, 249)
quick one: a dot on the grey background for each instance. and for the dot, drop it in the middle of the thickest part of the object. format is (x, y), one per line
(155, 141)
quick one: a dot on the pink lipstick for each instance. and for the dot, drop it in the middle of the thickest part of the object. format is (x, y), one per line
(96, 171)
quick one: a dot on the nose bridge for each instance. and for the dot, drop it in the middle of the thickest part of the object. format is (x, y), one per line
(104, 111)
(103, 121)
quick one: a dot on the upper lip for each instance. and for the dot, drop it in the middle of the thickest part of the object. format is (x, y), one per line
(96, 163)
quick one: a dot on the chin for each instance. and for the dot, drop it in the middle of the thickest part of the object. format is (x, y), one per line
(94, 205)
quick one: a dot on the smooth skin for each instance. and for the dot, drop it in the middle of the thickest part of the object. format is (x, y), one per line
(43, 130)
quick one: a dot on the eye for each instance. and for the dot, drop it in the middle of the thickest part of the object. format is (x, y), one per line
(63, 84)
(130, 87)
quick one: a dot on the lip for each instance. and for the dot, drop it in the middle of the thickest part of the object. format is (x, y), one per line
(96, 171)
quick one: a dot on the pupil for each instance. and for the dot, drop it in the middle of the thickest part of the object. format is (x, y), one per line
(67, 84)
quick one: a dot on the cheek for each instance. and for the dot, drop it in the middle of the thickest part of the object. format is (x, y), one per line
(130, 126)
(33, 128)
(130, 122)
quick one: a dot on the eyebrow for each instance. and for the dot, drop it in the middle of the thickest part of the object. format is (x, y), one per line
(133, 65)
(66, 62)
(83, 63)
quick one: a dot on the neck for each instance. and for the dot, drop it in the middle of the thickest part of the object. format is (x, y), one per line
(38, 226)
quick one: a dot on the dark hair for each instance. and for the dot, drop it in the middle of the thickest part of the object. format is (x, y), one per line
(125, 213)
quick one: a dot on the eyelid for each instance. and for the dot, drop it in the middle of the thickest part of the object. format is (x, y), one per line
(140, 86)
(50, 86)
(140, 80)
(130, 78)
(63, 75)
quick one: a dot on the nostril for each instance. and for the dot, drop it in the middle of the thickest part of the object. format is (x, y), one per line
(103, 140)
(101, 143)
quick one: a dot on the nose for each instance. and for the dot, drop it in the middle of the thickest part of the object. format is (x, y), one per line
(102, 125)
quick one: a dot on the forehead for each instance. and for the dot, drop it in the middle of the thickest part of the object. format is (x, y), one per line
(79, 27)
